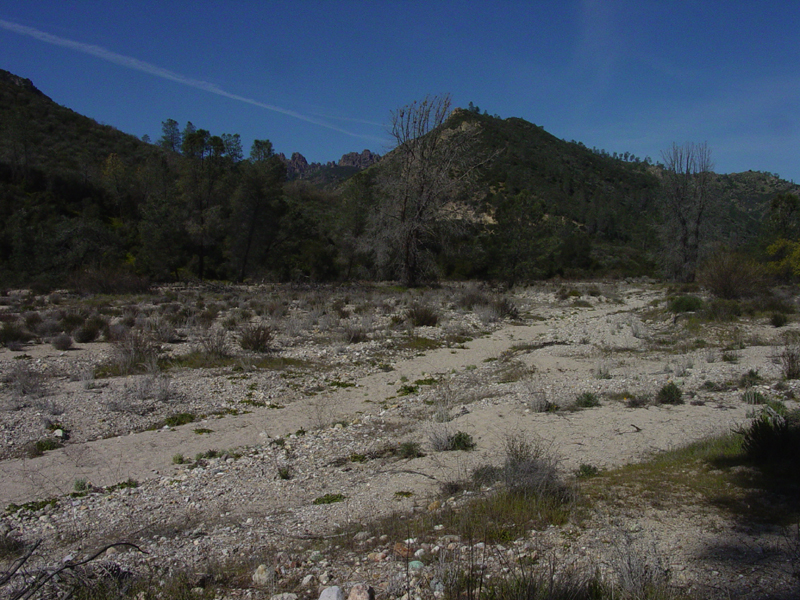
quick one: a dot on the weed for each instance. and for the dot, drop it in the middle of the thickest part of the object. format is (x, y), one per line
(750, 379)
(669, 394)
(178, 459)
(587, 400)
(285, 473)
(409, 450)
(39, 447)
(586, 470)
(179, 419)
(752, 396)
(329, 499)
(203, 430)
(790, 357)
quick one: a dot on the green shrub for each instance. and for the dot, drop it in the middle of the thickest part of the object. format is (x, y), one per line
(179, 419)
(771, 436)
(752, 396)
(669, 394)
(587, 400)
(750, 378)
(585, 471)
(682, 304)
(409, 450)
(461, 441)
(329, 499)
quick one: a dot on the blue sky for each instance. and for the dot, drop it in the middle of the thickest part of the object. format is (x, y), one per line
(321, 78)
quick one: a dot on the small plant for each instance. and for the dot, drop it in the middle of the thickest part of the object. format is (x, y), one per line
(421, 315)
(179, 419)
(790, 357)
(778, 319)
(461, 441)
(256, 337)
(409, 450)
(771, 436)
(585, 471)
(329, 499)
(750, 379)
(62, 342)
(178, 459)
(285, 473)
(587, 400)
(80, 486)
(358, 458)
(39, 447)
(752, 396)
(635, 401)
(669, 394)
(203, 430)
(682, 304)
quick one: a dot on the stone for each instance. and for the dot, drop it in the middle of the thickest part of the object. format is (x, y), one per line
(361, 591)
(307, 580)
(415, 565)
(284, 596)
(333, 592)
(262, 575)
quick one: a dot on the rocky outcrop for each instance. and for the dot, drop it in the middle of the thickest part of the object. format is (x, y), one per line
(298, 167)
(361, 161)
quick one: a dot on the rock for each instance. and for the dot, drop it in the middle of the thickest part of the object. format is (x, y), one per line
(415, 565)
(360, 161)
(433, 506)
(262, 575)
(307, 580)
(361, 536)
(401, 550)
(284, 596)
(325, 578)
(361, 591)
(332, 593)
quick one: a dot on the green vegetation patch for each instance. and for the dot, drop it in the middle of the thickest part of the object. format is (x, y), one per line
(329, 499)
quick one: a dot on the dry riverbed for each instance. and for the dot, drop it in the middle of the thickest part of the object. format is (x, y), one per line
(205, 454)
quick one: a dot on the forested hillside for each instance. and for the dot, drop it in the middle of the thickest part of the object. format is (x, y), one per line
(84, 204)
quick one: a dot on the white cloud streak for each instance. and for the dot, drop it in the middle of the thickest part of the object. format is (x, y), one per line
(138, 65)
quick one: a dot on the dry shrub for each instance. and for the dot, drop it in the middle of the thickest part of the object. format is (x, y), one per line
(134, 352)
(256, 337)
(730, 275)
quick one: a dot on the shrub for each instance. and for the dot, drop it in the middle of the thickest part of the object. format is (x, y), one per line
(461, 441)
(87, 333)
(587, 400)
(730, 275)
(133, 352)
(12, 332)
(409, 450)
(256, 337)
(681, 304)
(179, 419)
(752, 396)
(721, 309)
(421, 315)
(62, 342)
(529, 469)
(778, 319)
(669, 394)
(750, 378)
(771, 436)
(214, 342)
(790, 358)
(329, 499)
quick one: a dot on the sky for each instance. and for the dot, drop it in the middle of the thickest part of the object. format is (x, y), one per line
(323, 77)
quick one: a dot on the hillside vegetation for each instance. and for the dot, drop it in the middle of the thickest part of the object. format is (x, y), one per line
(86, 205)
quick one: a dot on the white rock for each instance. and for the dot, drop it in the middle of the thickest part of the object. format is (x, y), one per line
(332, 593)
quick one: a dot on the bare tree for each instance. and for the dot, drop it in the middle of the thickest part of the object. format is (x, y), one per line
(430, 168)
(687, 204)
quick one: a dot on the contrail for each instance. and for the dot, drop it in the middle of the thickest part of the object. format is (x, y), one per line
(139, 65)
